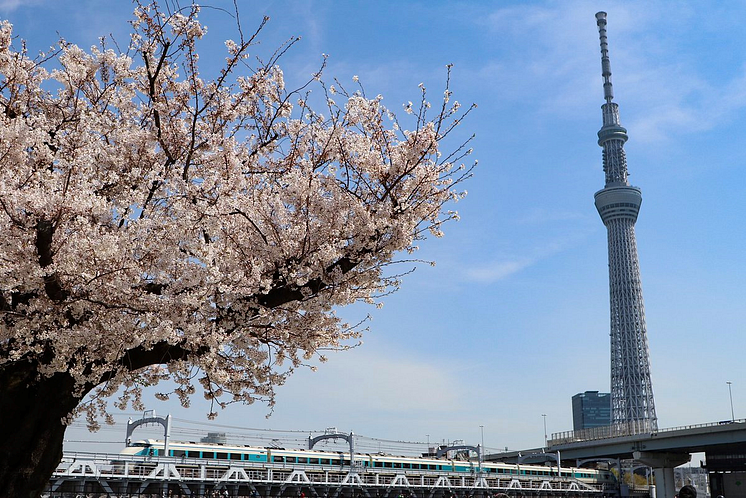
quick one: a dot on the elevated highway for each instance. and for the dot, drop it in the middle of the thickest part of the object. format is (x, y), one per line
(724, 444)
(687, 439)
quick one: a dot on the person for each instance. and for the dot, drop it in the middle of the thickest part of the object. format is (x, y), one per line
(687, 491)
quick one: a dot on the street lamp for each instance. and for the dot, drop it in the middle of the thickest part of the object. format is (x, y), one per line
(545, 428)
(730, 394)
(481, 427)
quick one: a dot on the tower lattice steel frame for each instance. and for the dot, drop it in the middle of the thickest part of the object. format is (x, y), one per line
(618, 203)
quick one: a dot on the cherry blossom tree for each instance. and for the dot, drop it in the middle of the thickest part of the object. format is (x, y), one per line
(156, 224)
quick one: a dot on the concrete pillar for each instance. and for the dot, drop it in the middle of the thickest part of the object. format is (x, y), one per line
(663, 465)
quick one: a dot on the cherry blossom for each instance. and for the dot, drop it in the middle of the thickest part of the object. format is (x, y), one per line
(155, 224)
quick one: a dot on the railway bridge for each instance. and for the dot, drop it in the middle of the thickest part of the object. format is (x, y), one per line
(120, 476)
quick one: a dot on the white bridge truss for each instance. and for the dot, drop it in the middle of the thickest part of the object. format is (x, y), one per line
(115, 475)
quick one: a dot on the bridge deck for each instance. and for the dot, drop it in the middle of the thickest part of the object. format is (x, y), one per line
(123, 476)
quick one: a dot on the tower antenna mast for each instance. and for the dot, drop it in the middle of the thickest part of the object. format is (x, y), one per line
(618, 204)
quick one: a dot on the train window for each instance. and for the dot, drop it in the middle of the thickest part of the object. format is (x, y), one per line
(406, 466)
(222, 456)
(324, 461)
(336, 461)
(388, 464)
(178, 453)
(302, 460)
(234, 456)
(397, 465)
(345, 462)
(278, 459)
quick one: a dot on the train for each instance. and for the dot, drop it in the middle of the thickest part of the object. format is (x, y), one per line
(194, 453)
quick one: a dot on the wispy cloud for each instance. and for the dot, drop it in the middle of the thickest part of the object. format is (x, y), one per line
(502, 268)
(381, 383)
(8, 6)
(555, 63)
(541, 215)
(498, 270)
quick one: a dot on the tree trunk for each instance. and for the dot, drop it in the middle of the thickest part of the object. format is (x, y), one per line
(31, 428)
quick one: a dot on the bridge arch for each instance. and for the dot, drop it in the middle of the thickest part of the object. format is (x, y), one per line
(477, 449)
(149, 417)
(350, 438)
(554, 455)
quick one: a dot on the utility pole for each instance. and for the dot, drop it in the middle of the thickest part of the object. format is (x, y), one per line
(545, 428)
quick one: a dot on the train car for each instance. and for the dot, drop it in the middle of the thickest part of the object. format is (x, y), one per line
(193, 453)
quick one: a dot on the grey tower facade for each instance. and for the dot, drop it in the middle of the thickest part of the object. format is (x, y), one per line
(618, 203)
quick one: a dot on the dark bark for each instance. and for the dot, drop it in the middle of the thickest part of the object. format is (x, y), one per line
(31, 427)
(32, 407)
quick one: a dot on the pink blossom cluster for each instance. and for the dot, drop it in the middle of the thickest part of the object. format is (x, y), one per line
(158, 225)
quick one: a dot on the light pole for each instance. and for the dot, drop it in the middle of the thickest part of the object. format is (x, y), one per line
(481, 428)
(544, 415)
(730, 394)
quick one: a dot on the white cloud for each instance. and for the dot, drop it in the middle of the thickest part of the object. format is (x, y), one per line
(374, 381)
(9, 5)
(498, 270)
(661, 86)
(503, 268)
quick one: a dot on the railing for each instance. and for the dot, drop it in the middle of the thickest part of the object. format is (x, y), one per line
(627, 429)
(114, 471)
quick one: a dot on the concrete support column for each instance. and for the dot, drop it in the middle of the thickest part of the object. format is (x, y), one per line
(663, 465)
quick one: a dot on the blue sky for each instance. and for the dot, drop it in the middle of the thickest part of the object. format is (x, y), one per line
(513, 320)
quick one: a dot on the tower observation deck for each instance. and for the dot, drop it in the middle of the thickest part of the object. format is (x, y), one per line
(618, 203)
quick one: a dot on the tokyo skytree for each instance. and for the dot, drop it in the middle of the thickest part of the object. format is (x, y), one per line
(632, 405)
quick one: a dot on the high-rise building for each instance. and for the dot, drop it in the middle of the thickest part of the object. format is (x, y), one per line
(591, 409)
(632, 405)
